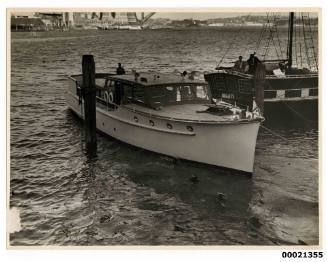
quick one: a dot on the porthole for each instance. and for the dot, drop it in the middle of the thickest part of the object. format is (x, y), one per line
(151, 122)
(189, 128)
(169, 126)
(136, 119)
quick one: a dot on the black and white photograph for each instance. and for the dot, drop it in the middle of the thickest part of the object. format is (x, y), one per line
(163, 128)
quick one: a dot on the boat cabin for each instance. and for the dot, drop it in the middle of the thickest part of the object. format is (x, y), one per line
(154, 90)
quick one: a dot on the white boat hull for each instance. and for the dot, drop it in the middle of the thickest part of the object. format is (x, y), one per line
(229, 145)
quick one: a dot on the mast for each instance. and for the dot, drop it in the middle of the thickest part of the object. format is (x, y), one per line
(290, 39)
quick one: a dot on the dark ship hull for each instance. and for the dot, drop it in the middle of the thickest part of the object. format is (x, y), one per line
(292, 97)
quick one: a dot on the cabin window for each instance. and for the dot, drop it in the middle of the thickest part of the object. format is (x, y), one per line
(178, 98)
(176, 94)
(138, 94)
(187, 93)
(192, 93)
(202, 92)
(170, 94)
(132, 94)
(158, 95)
(128, 94)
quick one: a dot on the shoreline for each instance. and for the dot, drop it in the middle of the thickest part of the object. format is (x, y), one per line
(95, 32)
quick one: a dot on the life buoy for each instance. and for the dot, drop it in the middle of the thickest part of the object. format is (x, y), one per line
(111, 97)
(106, 96)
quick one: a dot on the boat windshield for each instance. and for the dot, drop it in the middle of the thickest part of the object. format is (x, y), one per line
(178, 94)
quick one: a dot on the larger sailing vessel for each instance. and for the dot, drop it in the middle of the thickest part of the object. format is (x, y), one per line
(291, 83)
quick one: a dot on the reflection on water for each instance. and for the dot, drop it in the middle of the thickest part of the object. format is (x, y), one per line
(127, 195)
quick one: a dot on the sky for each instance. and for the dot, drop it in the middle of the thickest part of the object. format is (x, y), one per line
(198, 15)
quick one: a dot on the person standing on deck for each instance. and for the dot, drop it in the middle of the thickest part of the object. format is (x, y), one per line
(120, 70)
(239, 64)
(252, 63)
(119, 89)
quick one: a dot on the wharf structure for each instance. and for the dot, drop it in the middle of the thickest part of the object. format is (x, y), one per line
(46, 21)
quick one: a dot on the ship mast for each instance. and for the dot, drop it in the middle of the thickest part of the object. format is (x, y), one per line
(290, 39)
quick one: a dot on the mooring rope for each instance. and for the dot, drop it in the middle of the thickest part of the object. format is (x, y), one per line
(299, 114)
(273, 133)
(292, 109)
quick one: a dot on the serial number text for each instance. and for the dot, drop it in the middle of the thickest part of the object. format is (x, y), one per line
(303, 254)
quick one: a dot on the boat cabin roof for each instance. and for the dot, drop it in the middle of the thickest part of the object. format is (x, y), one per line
(155, 79)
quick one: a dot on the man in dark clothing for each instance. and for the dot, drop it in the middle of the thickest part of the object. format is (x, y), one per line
(252, 62)
(120, 70)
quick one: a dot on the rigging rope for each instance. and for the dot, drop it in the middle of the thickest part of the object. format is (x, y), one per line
(260, 37)
(274, 133)
(295, 44)
(275, 46)
(232, 45)
(272, 29)
(312, 44)
(305, 42)
(279, 41)
(268, 38)
(300, 37)
(301, 45)
(268, 44)
(272, 37)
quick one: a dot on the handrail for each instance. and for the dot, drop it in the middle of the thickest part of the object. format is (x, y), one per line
(177, 119)
(293, 89)
(232, 72)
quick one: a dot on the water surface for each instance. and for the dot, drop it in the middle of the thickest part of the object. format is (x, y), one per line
(128, 196)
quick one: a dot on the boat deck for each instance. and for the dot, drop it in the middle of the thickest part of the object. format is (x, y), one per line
(190, 112)
(156, 79)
